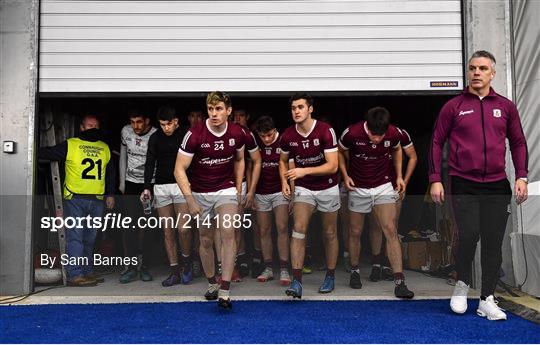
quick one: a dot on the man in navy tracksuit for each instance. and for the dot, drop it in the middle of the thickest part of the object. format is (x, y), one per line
(477, 124)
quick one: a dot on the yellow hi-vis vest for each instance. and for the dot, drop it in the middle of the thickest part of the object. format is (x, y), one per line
(86, 162)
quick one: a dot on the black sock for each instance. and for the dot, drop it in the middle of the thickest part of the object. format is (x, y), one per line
(376, 259)
(175, 269)
(257, 255)
(330, 272)
(242, 259)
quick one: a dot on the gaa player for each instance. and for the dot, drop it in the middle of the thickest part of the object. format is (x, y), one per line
(378, 249)
(214, 150)
(367, 146)
(249, 183)
(312, 146)
(269, 199)
(168, 199)
(134, 139)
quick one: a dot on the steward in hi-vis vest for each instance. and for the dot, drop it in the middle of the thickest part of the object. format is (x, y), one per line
(87, 167)
(86, 163)
(88, 177)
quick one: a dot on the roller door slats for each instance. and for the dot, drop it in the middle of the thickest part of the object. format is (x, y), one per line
(251, 72)
(285, 58)
(285, 19)
(205, 33)
(191, 46)
(231, 7)
(239, 85)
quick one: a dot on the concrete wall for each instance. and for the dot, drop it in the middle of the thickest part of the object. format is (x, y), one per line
(487, 26)
(18, 88)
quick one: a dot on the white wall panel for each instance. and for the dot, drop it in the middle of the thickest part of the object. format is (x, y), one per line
(191, 46)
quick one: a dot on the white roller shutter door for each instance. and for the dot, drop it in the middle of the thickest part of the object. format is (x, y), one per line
(193, 46)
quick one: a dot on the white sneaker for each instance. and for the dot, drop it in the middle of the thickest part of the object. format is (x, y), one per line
(458, 302)
(490, 309)
(284, 277)
(266, 275)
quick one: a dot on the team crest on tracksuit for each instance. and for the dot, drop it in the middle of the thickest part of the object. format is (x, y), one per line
(497, 112)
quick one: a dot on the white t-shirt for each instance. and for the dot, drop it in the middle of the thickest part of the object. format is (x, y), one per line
(136, 147)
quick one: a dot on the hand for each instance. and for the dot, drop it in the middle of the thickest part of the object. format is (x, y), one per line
(349, 183)
(122, 188)
(295, 173)
(521, 191)
(146, 194)
(402, 194)
(286, 190)
(400, 185)
(109, 202)
(437, 193)
(249, 200)
(194, 208)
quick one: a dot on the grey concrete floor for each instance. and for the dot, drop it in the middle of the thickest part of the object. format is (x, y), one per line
(111, 291)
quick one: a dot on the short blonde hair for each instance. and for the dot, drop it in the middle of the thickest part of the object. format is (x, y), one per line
(218, 96)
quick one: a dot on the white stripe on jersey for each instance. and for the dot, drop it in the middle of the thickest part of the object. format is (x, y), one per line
(185, 140)
(408, 136)
(341, 139)
(185, 153)
(334, 139)
(255, 140)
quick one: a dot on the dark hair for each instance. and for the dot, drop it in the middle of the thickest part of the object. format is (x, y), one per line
(264, 124)
(378, 120)
(166, 113)
(137, 112)
(301, 95)
(484, 54)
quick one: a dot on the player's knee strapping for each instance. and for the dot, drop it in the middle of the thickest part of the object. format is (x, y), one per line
(298, 235)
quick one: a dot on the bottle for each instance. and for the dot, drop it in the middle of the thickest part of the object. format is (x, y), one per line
(147, 205)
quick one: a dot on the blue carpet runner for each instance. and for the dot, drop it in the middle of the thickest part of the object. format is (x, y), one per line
(422, 321)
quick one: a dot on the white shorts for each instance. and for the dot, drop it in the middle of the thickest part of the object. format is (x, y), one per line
(326, 200)
(211, 200)
(166, 194)
(267, 202)
(362, 200)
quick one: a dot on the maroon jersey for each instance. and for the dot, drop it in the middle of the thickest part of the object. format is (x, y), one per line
(250, 141)
(405, 141)
(269, 182)
(212, 167)
(251, 146)
(309, 150)
(370, 165)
